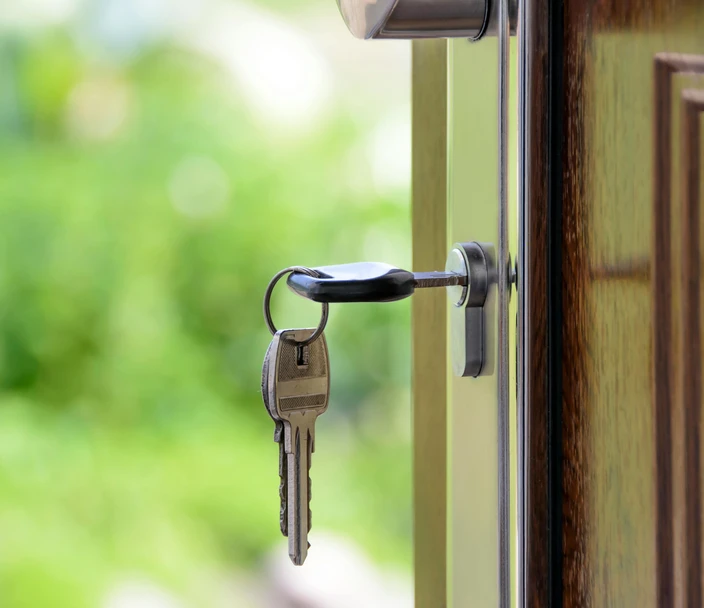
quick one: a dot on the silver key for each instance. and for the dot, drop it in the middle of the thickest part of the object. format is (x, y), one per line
(279, 439)
(298, 385)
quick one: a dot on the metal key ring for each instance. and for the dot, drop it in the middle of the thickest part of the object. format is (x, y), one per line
(267, 303)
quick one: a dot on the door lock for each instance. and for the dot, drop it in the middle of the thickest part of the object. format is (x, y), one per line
(469, 275)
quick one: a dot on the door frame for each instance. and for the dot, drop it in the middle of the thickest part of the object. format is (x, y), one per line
(429, 342)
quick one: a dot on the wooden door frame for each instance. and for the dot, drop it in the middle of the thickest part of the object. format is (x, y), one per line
(540, 348)
(539, 367)
(429, 345)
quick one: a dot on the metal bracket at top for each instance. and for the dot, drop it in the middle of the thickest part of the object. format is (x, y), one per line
(408, 19)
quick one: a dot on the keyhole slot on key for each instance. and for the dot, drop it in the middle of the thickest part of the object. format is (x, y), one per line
(302, 355)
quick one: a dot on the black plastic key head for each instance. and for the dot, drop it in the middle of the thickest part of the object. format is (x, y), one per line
(360, 282)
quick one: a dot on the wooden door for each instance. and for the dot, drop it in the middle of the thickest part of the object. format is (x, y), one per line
(607, 452)
(610, 335)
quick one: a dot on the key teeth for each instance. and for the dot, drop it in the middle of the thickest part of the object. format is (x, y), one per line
(283, 514)
(283, 494)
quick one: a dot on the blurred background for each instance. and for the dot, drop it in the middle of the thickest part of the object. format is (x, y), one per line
(160, 160)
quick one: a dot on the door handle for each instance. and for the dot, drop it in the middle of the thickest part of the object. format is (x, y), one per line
(407, 19)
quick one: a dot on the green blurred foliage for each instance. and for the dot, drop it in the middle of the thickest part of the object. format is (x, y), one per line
(132, 435)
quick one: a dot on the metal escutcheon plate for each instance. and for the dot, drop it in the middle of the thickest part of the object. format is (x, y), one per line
(470, 342)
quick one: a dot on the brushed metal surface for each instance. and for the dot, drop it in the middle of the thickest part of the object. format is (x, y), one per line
(415, 18)
(504, 293)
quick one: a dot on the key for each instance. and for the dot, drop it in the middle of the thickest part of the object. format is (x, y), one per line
(298, 385)
(279, 439)
(367, 282)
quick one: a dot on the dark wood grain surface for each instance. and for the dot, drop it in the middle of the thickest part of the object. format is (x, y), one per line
(612, 512)
(672, 416)
(692, 108)
(540, 577)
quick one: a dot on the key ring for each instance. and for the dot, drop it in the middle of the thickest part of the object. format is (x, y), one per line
(267, 303)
